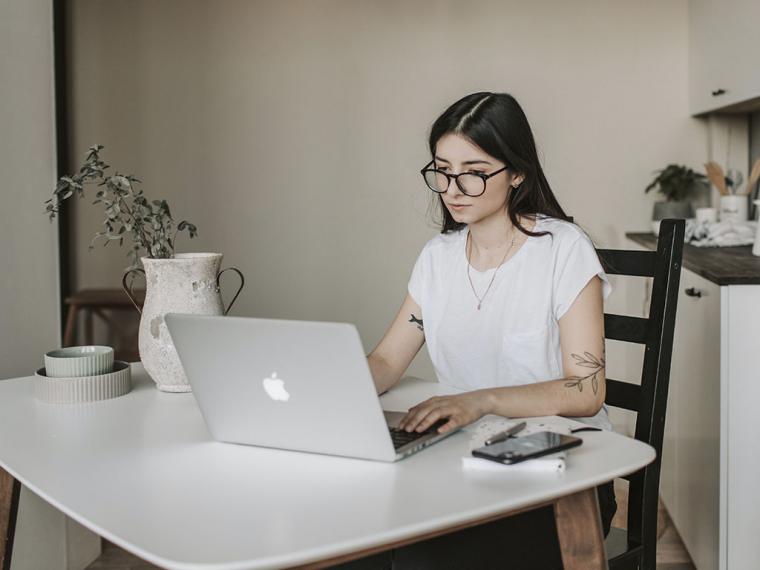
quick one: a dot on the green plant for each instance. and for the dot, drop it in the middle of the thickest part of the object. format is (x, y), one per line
(677, 182)
(128, 212)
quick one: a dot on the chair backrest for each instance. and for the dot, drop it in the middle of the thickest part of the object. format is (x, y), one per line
(649, 399)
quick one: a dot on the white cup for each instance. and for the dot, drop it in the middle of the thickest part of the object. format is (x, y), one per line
(707, 215)
(733, 208)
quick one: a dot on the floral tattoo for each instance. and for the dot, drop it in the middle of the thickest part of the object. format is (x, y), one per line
(416, 321)
(587, 360)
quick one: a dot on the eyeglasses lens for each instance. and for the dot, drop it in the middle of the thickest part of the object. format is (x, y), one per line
(469, 184)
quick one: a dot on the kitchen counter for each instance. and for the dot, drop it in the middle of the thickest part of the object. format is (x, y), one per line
(721, 265)
(708, 478)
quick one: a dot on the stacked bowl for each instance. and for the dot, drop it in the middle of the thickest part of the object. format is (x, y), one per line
(81, 374)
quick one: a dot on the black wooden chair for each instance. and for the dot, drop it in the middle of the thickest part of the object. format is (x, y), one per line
(636, 547)
(10, 490)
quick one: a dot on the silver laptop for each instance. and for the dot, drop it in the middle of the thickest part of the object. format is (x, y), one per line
(297, 385)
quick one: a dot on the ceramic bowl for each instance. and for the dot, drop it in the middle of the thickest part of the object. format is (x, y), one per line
(77, 361)
(78, 389)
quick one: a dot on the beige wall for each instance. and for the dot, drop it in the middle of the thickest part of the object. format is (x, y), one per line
(29, 321)
(29, 299)
(292, 132)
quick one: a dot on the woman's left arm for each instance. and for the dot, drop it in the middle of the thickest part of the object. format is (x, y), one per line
(580, 393)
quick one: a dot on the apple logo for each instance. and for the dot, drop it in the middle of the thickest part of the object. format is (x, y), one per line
(275, 388)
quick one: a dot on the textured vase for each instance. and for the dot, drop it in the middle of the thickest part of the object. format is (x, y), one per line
(187, 283)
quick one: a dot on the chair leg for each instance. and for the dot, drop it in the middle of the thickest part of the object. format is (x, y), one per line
(10, 490)
(71, 317)
(89, 327)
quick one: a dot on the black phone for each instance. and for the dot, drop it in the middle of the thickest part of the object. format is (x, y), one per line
(517, 449)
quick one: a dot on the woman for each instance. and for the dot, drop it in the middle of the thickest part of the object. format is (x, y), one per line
(509, 299)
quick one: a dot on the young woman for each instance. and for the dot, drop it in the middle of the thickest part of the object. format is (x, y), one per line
(509, 299)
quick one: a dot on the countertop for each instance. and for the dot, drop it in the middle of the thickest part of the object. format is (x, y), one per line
(721, 265)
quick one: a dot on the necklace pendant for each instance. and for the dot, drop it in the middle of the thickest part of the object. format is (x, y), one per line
(478, 306)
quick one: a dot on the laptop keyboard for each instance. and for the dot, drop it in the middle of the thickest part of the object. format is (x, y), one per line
(401, 437)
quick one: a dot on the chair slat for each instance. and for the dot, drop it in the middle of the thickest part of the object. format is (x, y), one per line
(628, 262)
(623, 395)
(625, 328)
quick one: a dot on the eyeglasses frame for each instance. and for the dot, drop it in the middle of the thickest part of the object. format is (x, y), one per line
(448, 176)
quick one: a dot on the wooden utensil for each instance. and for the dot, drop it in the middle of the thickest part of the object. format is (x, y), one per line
(716, 175)
(753, 177)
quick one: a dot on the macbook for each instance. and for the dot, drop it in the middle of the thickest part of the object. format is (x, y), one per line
(296, 385)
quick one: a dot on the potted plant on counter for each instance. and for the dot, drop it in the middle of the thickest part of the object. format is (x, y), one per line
(179, 283)
(676, 183)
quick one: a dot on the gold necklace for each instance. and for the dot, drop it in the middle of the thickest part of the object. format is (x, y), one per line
(503, 259)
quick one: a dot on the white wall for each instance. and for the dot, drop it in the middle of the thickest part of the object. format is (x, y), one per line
(292, 132)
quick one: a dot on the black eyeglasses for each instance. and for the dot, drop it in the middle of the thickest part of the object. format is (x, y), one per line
(470, 183)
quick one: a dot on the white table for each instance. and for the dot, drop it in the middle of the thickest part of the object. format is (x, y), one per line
(142, 471)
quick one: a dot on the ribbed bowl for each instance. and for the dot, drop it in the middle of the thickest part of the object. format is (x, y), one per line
(78, 361)
(79, 389)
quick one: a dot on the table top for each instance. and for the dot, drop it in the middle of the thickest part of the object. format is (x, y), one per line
(142, 471)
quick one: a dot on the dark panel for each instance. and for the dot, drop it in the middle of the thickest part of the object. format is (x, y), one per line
(625, 262)
(60, 59)
(623, 394)
(625, 328)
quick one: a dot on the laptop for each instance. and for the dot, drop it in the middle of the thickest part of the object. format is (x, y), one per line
(296, 385)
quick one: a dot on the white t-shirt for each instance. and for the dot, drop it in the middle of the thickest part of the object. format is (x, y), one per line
(514, 338)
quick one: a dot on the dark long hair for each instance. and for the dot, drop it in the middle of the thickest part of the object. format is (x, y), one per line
(496, 123)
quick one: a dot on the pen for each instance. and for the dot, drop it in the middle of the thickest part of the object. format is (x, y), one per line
(506, 434)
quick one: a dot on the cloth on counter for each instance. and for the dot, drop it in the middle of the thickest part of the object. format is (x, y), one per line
(719, 234)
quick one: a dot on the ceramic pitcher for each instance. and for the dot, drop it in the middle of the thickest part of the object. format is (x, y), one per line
(187, 283)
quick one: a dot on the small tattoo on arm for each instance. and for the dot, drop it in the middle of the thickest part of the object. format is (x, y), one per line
(416, 321)
(587, 360)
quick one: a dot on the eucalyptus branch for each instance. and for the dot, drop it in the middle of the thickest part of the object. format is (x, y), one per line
(128, 212)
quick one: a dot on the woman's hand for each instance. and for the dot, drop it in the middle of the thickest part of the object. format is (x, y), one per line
(460, 410)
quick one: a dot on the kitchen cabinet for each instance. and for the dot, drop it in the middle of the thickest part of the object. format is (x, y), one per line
(710, 465)
(724, 53)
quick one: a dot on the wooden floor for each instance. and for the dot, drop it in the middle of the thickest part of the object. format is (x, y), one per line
(671, 554)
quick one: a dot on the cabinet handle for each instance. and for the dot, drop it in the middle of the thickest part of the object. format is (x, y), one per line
(692, 292)
(718, 92)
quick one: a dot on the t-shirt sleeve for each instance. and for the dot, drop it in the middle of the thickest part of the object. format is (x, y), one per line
(418, 279)
(576, 264)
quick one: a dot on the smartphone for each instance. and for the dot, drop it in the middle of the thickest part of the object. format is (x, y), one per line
(517, 449)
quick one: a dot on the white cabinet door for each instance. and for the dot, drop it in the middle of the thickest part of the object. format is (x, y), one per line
(741, 395)
(724, 53)
(691, 454)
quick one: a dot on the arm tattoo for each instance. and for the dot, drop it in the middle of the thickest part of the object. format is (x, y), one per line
(416, 321)
(587, 360)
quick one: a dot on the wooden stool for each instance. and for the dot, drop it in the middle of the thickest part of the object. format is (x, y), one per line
(96, 302)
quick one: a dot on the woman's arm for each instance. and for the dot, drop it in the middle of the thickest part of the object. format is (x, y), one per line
(580, 393)
(401, 343)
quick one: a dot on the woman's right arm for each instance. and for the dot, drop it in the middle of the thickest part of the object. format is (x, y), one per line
(401, 343)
